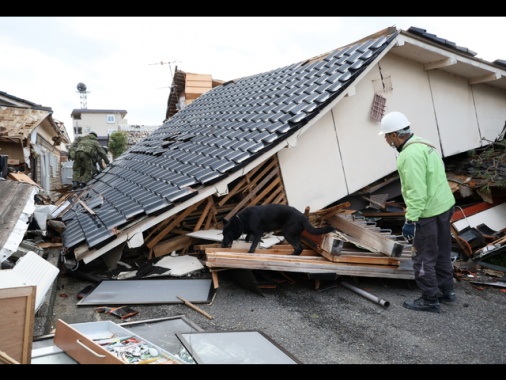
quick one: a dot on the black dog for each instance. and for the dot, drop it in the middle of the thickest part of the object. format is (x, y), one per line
(254, 221)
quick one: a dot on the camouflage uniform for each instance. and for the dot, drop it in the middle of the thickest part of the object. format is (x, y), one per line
(73, 147)
(86, 154)
(72, 157)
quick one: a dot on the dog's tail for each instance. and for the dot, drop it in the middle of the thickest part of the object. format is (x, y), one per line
(317, 231)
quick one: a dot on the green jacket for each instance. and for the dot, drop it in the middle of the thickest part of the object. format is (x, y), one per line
(424, 185)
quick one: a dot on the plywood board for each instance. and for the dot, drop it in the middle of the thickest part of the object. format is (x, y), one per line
(17, 313)
(20, 177)
(16, 207)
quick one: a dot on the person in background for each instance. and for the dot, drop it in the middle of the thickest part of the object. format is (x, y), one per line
(100, 162)
(73, 147)
(87, 154)
(72, 157)
(429, 207)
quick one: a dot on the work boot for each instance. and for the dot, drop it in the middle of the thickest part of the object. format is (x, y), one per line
(447, 296)
(423, 304)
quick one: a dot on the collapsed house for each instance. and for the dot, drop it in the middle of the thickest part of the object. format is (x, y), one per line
(31, 141)
(32, 148)
(305, 135)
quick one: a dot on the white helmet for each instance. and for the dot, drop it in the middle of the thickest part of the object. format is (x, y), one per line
(392, 122)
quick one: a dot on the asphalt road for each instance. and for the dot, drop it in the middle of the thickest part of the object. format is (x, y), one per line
(324, 322)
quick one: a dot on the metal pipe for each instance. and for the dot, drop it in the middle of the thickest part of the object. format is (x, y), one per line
(365, 294)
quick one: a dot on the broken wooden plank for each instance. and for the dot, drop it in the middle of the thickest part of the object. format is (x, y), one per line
(204, 214)
(175, 244)
(21, 177)
(328, 211)
(253, 197)
(87, 208)
(214, 275)
(307, 264)
(45, 245)
(278, 249)
(195, 307)
(361, 259)
(310, 256)
(371, 240)
(172, 225)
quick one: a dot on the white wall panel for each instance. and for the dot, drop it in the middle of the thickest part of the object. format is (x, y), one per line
(312, 171)
(490, 106)
(455, 113)
(411, 94)
(342, 152)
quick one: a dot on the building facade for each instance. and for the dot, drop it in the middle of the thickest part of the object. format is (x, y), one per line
(102, 121)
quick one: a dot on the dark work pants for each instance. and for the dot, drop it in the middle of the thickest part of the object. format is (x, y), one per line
(432, 260)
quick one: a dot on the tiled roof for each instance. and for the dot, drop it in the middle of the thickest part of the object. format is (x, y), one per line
(216, 135)
(441, 41)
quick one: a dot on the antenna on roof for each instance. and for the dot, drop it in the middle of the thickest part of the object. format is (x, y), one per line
(170, 68)
(81, 88)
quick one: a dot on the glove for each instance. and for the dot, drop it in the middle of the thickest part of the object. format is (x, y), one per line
(408, 230)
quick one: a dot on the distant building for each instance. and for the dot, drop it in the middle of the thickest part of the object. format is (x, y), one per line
(136, 133)
(102, 121)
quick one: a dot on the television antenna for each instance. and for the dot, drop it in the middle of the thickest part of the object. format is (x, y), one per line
(170, 68)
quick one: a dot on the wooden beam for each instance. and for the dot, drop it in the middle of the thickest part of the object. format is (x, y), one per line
(308, 264)
(236, 189)
(204, 214)
(250, 179)
(214, 275)
(180, 217)
(364, 259)
(174, 244)
(247, 199)
(274, 184)
(87, 208)
(485, 78)
(159, 227)
(278, 249)
(276, 197)
(450, 61)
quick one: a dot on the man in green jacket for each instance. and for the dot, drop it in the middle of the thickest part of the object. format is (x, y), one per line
(87, 153)
(429, 207)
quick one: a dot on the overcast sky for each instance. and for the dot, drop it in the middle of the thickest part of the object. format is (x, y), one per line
(128, 62)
